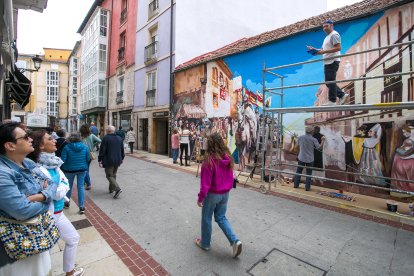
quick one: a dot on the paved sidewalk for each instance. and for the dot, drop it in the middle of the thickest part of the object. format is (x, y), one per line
(157, 210)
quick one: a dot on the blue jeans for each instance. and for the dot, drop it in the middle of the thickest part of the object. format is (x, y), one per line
(215, 204)
(80, 181)
(87, 176)
(296, 179)
(174, 153)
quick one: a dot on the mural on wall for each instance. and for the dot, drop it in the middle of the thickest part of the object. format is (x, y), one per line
(225, 96)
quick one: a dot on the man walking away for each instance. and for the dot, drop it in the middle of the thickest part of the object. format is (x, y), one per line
(306, 157)
(111, 155)
(331, 47)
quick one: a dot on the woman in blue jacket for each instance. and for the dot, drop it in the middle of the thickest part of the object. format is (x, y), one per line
(76, 157)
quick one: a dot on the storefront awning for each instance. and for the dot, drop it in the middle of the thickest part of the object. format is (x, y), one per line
(19, 87)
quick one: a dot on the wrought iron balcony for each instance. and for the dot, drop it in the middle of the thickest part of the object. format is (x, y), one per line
(151, 52)
(150, 97)
(123, 15)
(153, 8)
(121, 53)
(120, 97)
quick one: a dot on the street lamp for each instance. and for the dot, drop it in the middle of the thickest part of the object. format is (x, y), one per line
(36, 61)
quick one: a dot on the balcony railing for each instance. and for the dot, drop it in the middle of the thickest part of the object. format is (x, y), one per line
(151, 52)
(123, 15)
(153, 8)
(121, 53)
(150, 97)
(120, 97)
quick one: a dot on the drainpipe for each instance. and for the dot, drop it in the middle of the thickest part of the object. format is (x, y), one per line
(109, 60)
(171, 77)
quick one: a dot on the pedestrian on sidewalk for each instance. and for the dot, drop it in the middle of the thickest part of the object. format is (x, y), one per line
(184, 142)
(331, 47)
(216, 181)
(175, 145)
(94, 131)
(60, 142)
(111, 155)
(22, 197)
(44, 155)
(307, 143)
(131, 138)
(76, 158)
(90, 140)
(121, 133)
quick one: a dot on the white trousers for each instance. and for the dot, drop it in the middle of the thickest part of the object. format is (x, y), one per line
(71, 238)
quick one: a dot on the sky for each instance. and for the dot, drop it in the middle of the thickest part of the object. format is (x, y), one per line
(56, 27)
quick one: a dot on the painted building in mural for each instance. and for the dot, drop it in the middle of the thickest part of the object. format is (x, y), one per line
(222, 91)
(170, 32)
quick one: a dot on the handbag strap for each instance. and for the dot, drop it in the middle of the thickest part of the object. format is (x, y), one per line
(32, 221)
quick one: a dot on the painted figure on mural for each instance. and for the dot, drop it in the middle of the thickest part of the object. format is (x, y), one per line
(403, 165)
(370, 164)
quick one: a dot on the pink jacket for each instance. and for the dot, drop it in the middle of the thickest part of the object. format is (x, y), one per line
(216, 177)
(174, 141)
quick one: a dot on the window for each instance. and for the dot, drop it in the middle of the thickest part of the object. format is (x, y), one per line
(153, 8)
(151, 50)
(52, 93)
(151, 88)
(104, 23)
(122, 44)
(74, 85)
(74, 66)
(120, 90)
(124, 10)
(102, 57)
(74, 106)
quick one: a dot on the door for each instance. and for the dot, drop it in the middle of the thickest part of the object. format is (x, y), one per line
(145, 134)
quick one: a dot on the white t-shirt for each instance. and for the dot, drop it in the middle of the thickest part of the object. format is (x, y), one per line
(184, 136)
(329, 42)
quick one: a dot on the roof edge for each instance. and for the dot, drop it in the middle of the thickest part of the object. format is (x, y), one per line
(88, 15)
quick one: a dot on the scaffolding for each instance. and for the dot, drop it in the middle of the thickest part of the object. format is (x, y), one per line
(274, 145)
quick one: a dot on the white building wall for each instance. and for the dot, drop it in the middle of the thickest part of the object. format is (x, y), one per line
(215, 23)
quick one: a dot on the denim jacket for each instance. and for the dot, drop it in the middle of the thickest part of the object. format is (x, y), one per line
(16, 183)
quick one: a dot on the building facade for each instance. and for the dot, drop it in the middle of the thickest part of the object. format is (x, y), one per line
(95, 33)
(74, 115)
(171, 32)
(121, 63)
(49, 88)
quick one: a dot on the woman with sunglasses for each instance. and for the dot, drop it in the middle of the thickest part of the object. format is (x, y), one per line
(44, 154)
(24, 193)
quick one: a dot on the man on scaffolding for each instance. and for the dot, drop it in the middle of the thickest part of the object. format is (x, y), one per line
(331, 47)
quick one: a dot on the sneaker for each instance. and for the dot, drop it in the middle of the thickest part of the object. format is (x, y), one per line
(79, 271)
(67, 205)
(329, 103)
(237, 248)
(81, 210)
(117, 193)
(111, 191)
(198, 243)
(344, 98)
(88, 188)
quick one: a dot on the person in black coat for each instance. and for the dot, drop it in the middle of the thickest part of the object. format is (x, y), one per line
(60, 142)
(111, 155)
(318, 154)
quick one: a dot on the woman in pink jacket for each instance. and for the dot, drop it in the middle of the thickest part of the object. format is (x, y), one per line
(216, 182)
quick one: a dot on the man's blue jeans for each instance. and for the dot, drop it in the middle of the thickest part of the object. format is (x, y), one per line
(215, 204)
(296, 179)
(174, 154)
(80, 181)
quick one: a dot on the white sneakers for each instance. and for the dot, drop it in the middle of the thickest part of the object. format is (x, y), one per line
(79, 271)
(342, 100)
(237, 248)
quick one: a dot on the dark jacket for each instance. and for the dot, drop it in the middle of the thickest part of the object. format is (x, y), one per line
(60, 144)
(111, 152)
(76, 157)
(120, 133)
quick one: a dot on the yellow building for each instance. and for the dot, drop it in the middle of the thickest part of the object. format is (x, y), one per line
(49, 88)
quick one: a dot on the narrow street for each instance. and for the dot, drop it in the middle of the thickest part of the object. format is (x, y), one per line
(158, 211)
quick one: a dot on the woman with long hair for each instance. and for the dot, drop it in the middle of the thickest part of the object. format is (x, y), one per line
(216, 181)
(91, 140)
(44, 154)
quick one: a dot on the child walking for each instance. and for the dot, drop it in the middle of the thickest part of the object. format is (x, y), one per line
(175, 145)
(216, 182)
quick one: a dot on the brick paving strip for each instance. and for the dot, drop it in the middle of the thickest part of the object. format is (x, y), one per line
(352, 213)
(138, 261)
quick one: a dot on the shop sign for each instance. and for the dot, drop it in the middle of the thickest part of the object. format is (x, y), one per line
(160, 114)
(36, 120)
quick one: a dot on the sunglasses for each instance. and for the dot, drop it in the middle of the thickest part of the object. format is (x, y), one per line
(25, 137)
